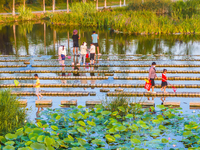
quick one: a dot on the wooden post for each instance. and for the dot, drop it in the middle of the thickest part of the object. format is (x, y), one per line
(105, 3)
(44, 6)
(97, 4)
(24, 4)
(120, 3)
(67, 6)
(45, 49)
(124, 2)
(53, 5)
(13, 13)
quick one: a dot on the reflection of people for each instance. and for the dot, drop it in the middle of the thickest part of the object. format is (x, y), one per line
(62, 53)
(38, 111)
(84, 81)
(164, 81)
(95, 38)
(76, 68)
(92, 74)
(75, 38)
(162, 99)
(37, 87)
(83, 52)
(63, 75)
(92, 53)
(152, 76)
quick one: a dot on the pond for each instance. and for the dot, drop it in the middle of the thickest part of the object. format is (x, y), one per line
(41, 41)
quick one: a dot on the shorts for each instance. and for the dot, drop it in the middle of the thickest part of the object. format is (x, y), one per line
(37, 91)
(75, 44)
(163, 84)
(96, 44)
(152, 82)
(92, 56)
(63, 57)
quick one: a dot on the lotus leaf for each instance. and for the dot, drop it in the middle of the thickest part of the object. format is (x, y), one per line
(100, 117)
(24, 148)
(28, 143)
(98, 142)
(115, 113)
(81, 130)
(53, 116)
(10, 136)
(161, 127)
(2, 139)
(112, 130)
(37, 146)
(55, 128)
(140, 122)
(39, 124)
(49, 148)
(161, 107)
(9, 147)
(121, 108)
(120, 128)
(48, 141)
(134, 127)
(99, 149)
(73, 131)
(81, 141)
(91, 123)
(78, 148)
(105, 113)
(58, 117)
(135, 141)
(117, 136)
(40, 138)
(187, 133)
(98, 110)
(156, 121)
(80, 107)
(118, 116)
(38, 131)
(129, 116)
(10, 143)
(81, 123)
(110, 138)
(164, 140)
(28, 130)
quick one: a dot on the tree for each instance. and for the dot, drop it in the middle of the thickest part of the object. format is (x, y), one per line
(105, 3)
(97, 4)
(124, 2)
(44, 6)
(67, 6)
(13, 8)
(24, 4)
(120, 3)
(53, 5)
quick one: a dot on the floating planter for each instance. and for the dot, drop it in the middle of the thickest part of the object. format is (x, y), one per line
(23, 102)
(92, 93)
(104, 90)
(109, 74)
(69, 102)
(43, 102)
(195, 104)
(171, 103)
(144, 103)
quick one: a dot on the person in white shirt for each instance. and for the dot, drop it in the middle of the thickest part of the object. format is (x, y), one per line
(92, 53)
(83, 49)
(62, 53)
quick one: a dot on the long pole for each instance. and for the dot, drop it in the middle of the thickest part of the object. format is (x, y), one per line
(105, 3)
(53, 5)
(44, 6)
(13, 13)
(67, 6)
(120, 3)
(124, 2)
(14, 32)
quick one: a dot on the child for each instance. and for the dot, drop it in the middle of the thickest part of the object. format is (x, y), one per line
(83, 52)
(75, 38)
(37, 87)
(62, 53)
(92, 53)
(164, 81)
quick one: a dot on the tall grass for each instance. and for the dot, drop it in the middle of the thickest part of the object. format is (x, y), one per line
(25, 14)
(11, 115)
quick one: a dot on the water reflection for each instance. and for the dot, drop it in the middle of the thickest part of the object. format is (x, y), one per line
(43, 38)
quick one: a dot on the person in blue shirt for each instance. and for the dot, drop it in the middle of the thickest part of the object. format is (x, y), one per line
(95, 39)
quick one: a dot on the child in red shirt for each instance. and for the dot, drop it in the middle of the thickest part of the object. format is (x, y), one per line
(164, 81)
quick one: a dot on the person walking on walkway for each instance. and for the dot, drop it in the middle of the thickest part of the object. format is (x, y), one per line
(75, 38)
(152, 76)
(37, 87)
(83, 49)
(62, 53)
(95, 39)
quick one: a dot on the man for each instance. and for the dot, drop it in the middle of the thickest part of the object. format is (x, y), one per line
(95, 39)
(152, 76)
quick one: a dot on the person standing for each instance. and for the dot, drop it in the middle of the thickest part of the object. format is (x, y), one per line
(95, 39)
(92, 53)
(75, 38)
(152, 76)
(62, 54)
(37, 87)
(83, 49)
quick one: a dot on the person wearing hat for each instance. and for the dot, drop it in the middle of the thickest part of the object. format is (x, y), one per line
(75, 38)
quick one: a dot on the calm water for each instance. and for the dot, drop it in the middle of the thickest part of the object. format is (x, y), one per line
(44, 39)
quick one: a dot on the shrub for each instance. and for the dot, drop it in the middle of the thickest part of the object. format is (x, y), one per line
(11, 115)
(25, 14)
(83, 8)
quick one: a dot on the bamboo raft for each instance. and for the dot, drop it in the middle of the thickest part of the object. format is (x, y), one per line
(158, 78)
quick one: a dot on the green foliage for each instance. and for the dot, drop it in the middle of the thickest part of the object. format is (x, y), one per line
(74, 129)
(25, 13)
(11, 115)
(83, 8)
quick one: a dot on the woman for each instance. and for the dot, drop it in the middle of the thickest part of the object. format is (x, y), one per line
(83, 52)
(152, 76)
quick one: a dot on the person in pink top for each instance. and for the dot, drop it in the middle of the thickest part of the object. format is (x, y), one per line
(152, 76)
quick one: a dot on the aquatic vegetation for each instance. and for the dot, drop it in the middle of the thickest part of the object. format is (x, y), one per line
(98, 128)
(11, 115)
